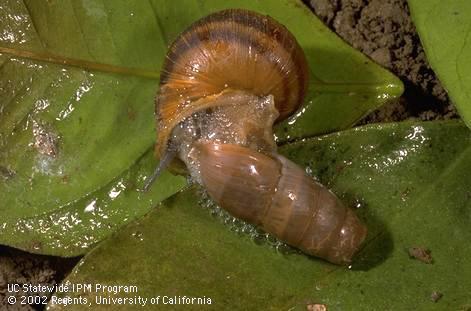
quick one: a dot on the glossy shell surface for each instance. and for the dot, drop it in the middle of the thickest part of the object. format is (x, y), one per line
(229, 50)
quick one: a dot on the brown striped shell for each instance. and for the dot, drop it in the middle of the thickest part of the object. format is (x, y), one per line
(225, 81)
(229, 50)
(276, 195)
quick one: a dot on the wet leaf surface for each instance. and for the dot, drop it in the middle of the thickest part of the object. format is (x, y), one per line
(409, 182)
(444, 28)
(77, 87)
(72, 229)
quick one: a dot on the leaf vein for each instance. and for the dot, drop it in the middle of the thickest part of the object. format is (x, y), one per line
(159, 24)
(33, 23)
(458, 57)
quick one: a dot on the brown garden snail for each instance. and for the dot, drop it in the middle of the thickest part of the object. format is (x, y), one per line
(224, 83)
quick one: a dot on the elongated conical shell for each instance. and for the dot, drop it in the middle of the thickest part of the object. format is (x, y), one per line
(318, 223)
(278, 196)
(243, 185)
(229, 50)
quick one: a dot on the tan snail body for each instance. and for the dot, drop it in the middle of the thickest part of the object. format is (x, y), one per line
(225, 81)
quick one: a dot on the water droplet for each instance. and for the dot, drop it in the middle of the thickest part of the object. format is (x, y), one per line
(359, 203)
(116, 190)
(90, 207)
(241, 227)
(285, 249)
(138, 235)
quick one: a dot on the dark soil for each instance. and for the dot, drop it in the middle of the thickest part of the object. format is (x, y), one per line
(17, 267)
(382, 29)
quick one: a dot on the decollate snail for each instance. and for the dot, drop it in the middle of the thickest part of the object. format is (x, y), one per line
(225, 81)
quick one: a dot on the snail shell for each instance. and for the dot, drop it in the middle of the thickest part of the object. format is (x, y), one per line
(224, 83)
(278, 196)
(230, 49)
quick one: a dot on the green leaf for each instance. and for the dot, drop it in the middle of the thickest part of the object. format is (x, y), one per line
(77, 87)
(72, 229)
(444, 28)
(410, 182)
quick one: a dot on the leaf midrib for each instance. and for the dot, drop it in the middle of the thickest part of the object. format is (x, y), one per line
(386, 87)
(82, 64)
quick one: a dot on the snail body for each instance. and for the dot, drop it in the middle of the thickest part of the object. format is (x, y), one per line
(229, 50)
(226, 80)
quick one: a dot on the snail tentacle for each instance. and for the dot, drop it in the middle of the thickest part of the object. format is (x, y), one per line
(169, 155)
(225, 81)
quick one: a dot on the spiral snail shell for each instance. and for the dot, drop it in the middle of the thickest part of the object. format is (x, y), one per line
(225, 81)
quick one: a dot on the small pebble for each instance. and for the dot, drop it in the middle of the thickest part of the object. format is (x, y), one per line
(421, 253)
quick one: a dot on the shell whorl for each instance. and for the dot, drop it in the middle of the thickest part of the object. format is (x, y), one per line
(229, 50)
(275, 194)
(224, 83)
